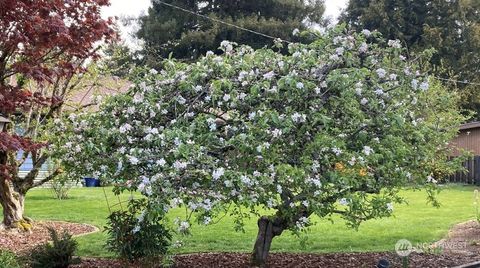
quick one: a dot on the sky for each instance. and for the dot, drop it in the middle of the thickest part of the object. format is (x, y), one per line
(122, 8)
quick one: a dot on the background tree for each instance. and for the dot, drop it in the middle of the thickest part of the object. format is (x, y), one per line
(118, 60)
(451, 27)
(338, 126)
(168, 30)
(43, 45)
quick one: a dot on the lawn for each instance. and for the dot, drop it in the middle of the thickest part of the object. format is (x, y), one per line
(417, 222)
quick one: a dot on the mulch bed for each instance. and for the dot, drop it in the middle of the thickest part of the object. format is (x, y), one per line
(19, 241)
(321, 260)
(287, 260)
(462, 246)
(463, 238)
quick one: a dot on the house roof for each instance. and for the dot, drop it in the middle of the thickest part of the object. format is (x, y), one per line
(475, 124)
(85, 96)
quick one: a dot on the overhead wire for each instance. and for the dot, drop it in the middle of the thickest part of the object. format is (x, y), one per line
(271, 37)
(221, 21)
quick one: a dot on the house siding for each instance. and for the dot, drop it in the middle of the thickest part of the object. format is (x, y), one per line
(467, 139)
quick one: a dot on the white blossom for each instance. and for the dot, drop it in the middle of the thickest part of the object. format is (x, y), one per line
(334, 57)
(424, 86)
(161, 162)
(184, 225)
(228, 183)
(352, 161)
(394, 43)
(138, 97)
(269, 75)
(298, 118)
(302, 222)
(242, 96)
(414, 83)
(125, 127)
(181, 99)
(339, 51)
(276, 133)
(336, 151)
(133, 160)
(246, 180)
(218, 173)
(226, 97)
(366, 32)
(178, 165)
(381, 72)
(379, 92)
(367, 150)
(363, 48)
(431, 179)
(226, 45)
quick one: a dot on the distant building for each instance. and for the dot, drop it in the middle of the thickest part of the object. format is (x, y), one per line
(468, 138)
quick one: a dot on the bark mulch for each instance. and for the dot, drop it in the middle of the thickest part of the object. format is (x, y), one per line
(19, 241)
(461, 246)
(354, 260)
(286, 260)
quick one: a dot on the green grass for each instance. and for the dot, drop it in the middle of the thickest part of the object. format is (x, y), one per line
(417, 222)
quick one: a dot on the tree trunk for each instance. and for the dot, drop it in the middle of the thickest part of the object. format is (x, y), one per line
(11, 200)
(267, 230)
(12, 204)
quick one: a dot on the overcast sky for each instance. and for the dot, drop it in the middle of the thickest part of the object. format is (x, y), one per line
(136, 7)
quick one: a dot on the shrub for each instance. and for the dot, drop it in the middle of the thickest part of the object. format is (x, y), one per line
(8, 260)
(58, 254)
(60, 187)
(133, 235)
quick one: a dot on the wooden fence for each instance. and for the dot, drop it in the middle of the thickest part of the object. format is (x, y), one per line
(472, 173)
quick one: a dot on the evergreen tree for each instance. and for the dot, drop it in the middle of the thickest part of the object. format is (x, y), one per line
(451, 27)
(168, 30)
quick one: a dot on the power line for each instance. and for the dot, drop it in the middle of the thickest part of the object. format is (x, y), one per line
(457, 81)
(221, 22)
(272, 37)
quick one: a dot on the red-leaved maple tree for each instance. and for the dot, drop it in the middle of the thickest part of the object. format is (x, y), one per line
(45, 43)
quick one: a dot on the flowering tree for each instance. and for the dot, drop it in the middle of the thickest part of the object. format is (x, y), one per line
(43, 45)
(335, 127)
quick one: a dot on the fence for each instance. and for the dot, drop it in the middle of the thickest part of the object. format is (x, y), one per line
(472, 173)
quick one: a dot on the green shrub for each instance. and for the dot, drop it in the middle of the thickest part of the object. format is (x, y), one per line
(8, 260)
(60, 186)
(133, 235)
(58, 254)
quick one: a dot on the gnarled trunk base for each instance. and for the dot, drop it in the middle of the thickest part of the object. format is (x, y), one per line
(12, 204)
(267, 230)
